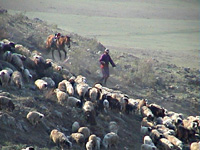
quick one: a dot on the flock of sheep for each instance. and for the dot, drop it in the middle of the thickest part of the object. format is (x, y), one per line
(160, 129)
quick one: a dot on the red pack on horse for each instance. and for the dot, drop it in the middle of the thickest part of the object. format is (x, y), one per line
(57, 42)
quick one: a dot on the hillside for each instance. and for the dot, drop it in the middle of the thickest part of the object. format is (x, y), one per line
(175, 88)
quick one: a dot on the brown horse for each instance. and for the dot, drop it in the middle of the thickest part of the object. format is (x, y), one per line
(59, 44)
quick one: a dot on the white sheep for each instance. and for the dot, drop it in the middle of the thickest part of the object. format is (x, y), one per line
(80, 79)
(89, 145)
(148, 140)
(60, 139)
(195, 146)
(113, 127)
(81, 89)
(69, 87)
(16, 79)
(5, 77)
(74, 102)
(89, 112)
(146, 112)
(62, 97)
(110, 139)
(175, 141)
(148, 147)
(34, 117)
(75, 127)
(41, 84)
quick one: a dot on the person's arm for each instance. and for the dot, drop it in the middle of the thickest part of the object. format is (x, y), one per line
(101, 60)
(111, 61)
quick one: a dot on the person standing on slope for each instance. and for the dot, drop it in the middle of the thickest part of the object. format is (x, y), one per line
(104, 60)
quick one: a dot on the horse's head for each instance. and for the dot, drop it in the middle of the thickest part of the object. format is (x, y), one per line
(67, 40)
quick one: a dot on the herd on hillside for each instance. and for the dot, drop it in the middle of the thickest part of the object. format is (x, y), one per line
(160, 129)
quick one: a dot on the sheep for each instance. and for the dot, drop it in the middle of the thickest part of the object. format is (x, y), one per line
(131, 106)
(165, 144)
(5, 77)
(34, 117)
(62, 97)
(195, 146)
(41, 84)
(155, 135)
(146, 112)
(113, 103)
(80, 79)
(106, 105)
(17, 61)
(157, 110)
(93, 94)
(69, 88)
(110, 139)
(62, 86)
(145, 122)
(16, 79)
(8, 46)
(6, 103)
(7, 56)
(27, 75)
(164, 130)
(89, 112)
(81, 90)
(75, 127)
(148, 147)
(184, 134)
(85, 131)
(60, 139)
(148, 140)
(141, 103)
(113, 127)
(178, 144)
(89, 145)
(50, 82)
(22, 50)
(74, 102)
(79, 138)
(145, 130)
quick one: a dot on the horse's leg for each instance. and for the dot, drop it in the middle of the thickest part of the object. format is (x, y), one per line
(53, 53)
(59, 54)
(65, 53)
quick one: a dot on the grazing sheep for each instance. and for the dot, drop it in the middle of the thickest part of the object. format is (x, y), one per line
(85, 131)
(110, 139)
(145, 130)
(34, 117)
(80, 79)
(60, 139)
(178, 144)
(6, 103)
(7, 56)
(27, 75)
(113, 127)
(75, 127)
(17, 61)
(165, 144)
(195, 146)
(50, 82)
(141, 103)
(62, 97)
(92, 142)
(148, 147)
(62, 86)
(69, 88)
(164, 130)
(79, 138)
(89, 112)
(16, 79)
(74, 102)
(184, 134)
(22, 50)
(41, 84)
(5, 77)
(93, 94)
(131, 106)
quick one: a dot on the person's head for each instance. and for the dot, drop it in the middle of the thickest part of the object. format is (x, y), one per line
(58, 34)
(106, 51)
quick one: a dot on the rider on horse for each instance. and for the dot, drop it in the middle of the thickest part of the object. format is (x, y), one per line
(54, 40)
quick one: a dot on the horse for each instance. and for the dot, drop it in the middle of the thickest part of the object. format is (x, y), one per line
(59, 44)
